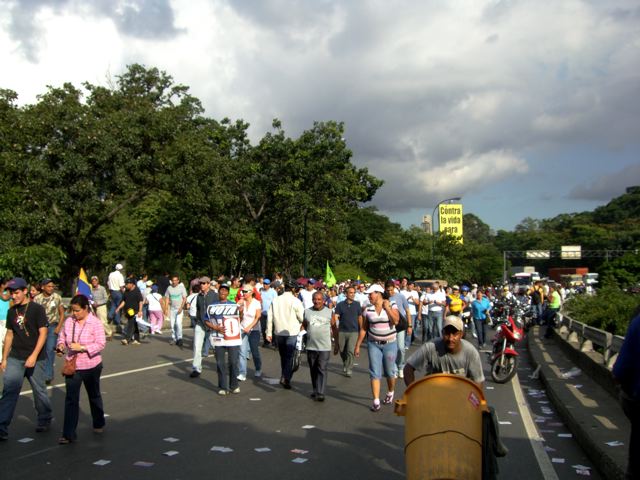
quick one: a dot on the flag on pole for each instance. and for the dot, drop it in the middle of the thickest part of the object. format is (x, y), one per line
(83, 287)
(329, 278)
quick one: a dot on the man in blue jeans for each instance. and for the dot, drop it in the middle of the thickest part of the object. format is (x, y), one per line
(23, 356)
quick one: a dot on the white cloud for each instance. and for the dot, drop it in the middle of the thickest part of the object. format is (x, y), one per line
(486, 83)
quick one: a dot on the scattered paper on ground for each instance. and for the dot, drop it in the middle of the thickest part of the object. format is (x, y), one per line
(262, 449)
(255, 399)
(557, 460)
(221, 449)
(307, 427)
(26, 440)
(574, 372)
(299, 451)
(504, 423)
(171, 439)
(170, 453)
(143, 464)
(565, 435)
(615, 443)
(101, 462)
(299, 460)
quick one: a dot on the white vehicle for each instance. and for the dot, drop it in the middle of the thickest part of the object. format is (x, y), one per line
(590, 279)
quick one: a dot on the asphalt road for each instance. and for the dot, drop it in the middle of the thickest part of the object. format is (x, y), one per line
(264, 431)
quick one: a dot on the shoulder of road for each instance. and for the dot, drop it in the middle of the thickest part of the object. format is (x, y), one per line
(591, 412)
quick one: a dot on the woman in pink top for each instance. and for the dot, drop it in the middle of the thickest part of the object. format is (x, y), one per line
(82, 336)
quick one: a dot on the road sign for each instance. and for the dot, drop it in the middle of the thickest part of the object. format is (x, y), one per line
(571, 252)
(538, 254)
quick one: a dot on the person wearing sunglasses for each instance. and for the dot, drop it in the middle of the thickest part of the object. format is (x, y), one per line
(23, 356)
(82, 337)
(250, 328)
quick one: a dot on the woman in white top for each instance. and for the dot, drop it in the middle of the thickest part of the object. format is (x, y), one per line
(250, 325)
(155, 310)
(379, 326)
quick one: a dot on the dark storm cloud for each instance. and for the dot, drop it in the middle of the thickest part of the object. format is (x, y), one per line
(434, 96)
(136, 18)
(609, 186)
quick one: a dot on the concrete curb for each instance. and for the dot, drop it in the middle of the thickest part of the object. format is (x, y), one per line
(590, 413)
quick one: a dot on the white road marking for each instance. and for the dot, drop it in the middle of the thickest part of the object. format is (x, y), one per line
(548, 472)
(119, 374)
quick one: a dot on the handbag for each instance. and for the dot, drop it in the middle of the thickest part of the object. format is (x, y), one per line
(69, 366)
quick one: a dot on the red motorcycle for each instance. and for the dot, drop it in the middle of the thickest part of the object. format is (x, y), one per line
(504, 358)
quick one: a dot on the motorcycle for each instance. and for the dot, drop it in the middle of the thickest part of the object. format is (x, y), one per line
(504, 358)
(469, 327)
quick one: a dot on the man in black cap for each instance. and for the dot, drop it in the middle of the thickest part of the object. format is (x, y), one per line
(23, 356)
(132, 305)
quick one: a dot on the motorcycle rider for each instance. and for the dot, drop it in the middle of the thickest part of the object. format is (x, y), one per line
(448, 354)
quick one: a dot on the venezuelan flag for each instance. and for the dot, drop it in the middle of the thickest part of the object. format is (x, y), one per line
(83, 287)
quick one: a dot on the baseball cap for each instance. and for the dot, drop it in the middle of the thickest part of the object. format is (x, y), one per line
(455, 287)
(118, 266)
(374, 288)
(17, 283)
(266, 281)
(454, 321)
(149, 283)
(46, 281)
(130, 280)
(223, 285)
(465, 288)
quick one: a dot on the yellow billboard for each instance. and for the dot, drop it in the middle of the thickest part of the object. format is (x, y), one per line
(450, 220)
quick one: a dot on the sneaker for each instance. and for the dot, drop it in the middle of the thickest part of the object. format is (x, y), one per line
(348, 373)
(388, 399)
(375, 407)
(258, 374)
(223, 392)
(401, 374)
(43, 428)
(194, 374)
(241, 377)
(135, 342)
(124, 342)
(236, 390)
(313, 395)
(179, 342)
(320, 397)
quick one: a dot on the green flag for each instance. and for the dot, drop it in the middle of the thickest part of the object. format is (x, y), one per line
(329, 278)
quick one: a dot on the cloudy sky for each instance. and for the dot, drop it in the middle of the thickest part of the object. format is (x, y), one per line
(522, 107)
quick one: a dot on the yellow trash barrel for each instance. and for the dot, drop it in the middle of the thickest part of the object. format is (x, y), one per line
(443, 428)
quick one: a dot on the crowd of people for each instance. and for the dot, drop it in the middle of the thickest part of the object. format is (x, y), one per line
(234, 317)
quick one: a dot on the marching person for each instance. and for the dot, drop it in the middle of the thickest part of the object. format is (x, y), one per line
(82, 337)
(284, 320)
(348, 317)
(319, 324)
(23, 356)
(379, 326)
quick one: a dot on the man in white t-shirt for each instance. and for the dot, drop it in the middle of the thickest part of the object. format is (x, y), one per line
(413, 298)
(437, 300)
(115, 284)
(306, 294)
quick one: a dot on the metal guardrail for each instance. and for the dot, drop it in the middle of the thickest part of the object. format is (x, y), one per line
(587, 337)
